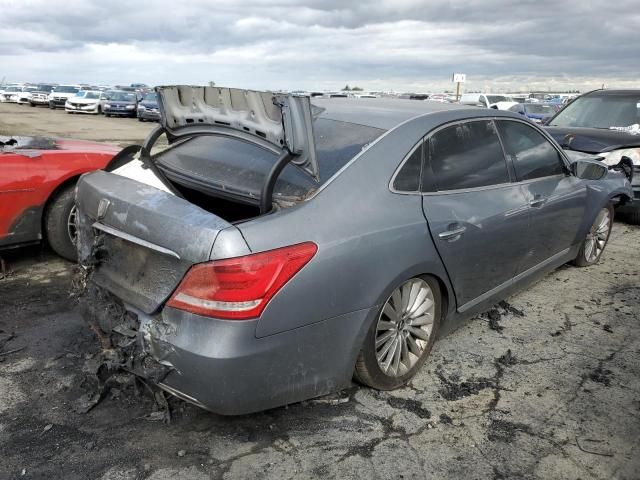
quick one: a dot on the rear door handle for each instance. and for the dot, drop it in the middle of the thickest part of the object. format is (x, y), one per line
(451, 234)
(537, 201)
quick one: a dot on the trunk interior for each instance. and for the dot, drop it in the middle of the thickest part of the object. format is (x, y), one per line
(233, 211)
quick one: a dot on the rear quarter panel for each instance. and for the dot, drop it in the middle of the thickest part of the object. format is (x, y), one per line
(28, 180)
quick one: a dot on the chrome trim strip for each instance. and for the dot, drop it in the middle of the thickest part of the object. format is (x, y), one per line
(130, 238)
(520, 276)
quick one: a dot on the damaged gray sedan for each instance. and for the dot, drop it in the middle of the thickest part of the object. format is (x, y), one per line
(277, 249)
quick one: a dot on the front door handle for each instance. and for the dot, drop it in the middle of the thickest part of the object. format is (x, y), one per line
(537, 201)
(452, 234)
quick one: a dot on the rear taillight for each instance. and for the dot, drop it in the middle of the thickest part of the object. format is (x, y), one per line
(240, 288)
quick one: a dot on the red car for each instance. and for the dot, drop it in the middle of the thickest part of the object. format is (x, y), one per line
(37, 180)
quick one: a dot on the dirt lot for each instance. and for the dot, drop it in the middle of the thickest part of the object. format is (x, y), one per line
(547, 386)
(26, 120)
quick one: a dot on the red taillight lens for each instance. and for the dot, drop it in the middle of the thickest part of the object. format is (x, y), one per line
(240, 288)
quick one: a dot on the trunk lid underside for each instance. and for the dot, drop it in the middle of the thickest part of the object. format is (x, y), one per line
(142, 240)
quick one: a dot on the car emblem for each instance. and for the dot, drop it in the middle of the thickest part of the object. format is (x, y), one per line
(103, 206)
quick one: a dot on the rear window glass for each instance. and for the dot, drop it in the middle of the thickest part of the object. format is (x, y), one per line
(467, 155)
(338, 142)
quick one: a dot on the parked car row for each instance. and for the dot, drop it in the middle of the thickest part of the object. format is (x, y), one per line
(136, 100)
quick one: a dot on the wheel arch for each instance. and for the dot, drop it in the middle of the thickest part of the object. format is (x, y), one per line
(619, 199)
(56, 191)
(445, 290)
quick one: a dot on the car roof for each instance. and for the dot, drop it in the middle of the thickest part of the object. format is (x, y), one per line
(604, 93)
(383, 113)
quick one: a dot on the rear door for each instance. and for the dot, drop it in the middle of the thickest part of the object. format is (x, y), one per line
(478, 219)
(557, 199)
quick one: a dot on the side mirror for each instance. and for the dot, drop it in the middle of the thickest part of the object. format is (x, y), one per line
(588, 170)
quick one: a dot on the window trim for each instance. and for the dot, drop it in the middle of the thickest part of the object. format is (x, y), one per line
(427, 160)
(513, 180)
(563, 159)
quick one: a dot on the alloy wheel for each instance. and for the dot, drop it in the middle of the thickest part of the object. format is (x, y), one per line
(72, 224)
(404, 327)
(597, 236)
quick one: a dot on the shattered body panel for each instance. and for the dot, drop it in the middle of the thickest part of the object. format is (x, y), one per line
(32, 168)
(369, 240)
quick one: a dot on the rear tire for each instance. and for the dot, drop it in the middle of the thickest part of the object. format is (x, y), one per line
(32, 104)
(597, 238)
(57, 223)
(378, 365)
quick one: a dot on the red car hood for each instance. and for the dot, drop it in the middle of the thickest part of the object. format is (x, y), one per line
(86, 146)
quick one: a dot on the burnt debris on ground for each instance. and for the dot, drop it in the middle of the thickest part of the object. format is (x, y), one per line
(500, 310)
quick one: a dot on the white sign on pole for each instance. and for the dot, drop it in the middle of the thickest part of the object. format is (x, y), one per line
(459, 77)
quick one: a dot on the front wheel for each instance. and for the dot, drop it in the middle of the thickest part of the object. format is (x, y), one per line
(401, 338)
(597, 238)
(60, 224)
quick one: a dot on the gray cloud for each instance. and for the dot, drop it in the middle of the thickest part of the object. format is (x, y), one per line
(402, 44)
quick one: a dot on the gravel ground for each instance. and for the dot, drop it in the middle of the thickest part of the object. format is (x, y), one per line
(546, 386)
(26, 120)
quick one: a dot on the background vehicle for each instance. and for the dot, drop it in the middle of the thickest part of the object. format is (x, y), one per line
(148, 108)
(602, 122)
(37, 180)
(487, 100)
(40, 96)
(85, 101)
(24, 96)
(120, 103)
(10, 94)
(330, 264)
(538, 112)
(60, 94)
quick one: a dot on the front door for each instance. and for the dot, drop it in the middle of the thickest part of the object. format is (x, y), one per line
(478, 219)
(557, 199)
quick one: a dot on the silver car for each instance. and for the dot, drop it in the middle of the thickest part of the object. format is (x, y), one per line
(277, 249)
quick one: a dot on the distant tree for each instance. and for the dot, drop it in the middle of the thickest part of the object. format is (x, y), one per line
(212, 83)
(356, 89)
(346, 88)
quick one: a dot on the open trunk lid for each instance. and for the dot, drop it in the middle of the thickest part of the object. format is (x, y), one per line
(142, 240)
(284, 121)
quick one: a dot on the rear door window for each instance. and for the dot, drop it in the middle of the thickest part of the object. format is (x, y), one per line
(467, 155)
(533, 156)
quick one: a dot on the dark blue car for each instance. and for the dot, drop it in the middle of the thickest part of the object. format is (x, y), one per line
(148, 108)
(120, 103)
(537, 112)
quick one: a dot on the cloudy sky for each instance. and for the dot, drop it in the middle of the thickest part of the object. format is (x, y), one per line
(401, 45)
